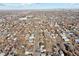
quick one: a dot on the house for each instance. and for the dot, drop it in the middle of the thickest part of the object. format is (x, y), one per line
(77, 41)
(31, 38)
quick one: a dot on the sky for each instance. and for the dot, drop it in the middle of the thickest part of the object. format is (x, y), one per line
(18, 6)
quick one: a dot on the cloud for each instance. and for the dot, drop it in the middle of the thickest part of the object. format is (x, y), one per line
(24, 4)
(1, 4)
(74, 4)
